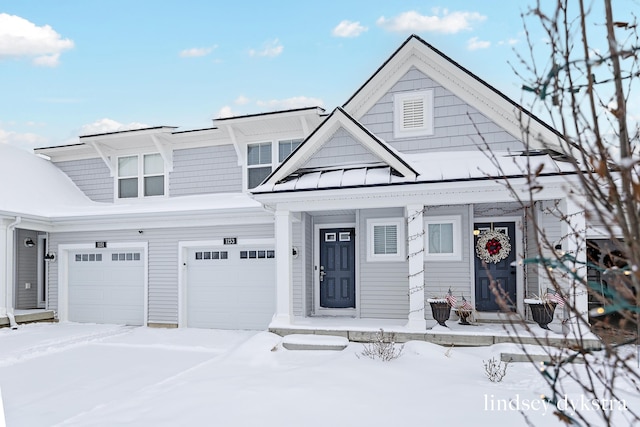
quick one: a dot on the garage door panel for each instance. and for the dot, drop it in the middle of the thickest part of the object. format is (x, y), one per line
(234, 292)
(107, 287)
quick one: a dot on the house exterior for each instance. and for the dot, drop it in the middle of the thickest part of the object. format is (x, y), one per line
(270, 220)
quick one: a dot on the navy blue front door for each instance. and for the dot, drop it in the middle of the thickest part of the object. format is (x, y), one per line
(337, 271)
(503, 273)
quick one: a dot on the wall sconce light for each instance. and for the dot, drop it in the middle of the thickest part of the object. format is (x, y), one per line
(51, 256)
(294, 252)
(29, 243)
(476, 232)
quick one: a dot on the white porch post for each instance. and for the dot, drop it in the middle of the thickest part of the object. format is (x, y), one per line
(284, 269)
(415, 238)
(576, 246)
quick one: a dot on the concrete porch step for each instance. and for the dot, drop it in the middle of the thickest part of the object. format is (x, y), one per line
(314, 342)
(29, 317)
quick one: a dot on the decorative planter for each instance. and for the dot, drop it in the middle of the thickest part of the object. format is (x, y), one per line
(441, 311)
(464, 316)
(542, 312)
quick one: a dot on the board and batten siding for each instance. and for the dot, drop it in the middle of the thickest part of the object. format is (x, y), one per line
(440, 275)
(383, 286)
(163, 258)
(454, 121)
(26, 270)
(340, 149)
(205, 170)
(91, 176)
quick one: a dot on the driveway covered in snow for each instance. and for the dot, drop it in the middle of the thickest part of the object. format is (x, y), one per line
(102, 375)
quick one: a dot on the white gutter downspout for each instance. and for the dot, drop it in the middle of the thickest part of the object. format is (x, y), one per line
(10, 249)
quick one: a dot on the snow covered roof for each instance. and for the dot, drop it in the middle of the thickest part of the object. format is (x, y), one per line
(32, 185)
(431, 167)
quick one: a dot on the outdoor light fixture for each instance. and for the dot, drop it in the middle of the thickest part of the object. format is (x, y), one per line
(29, 243)
(476, 232)
(51, 256)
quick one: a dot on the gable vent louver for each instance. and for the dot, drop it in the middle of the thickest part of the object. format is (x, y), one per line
(413, 113)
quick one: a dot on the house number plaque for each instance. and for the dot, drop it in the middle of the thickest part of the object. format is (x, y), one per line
(230, 240)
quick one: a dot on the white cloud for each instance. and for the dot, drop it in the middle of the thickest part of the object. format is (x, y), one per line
(242, 100)
(348, 28)
(225, 112)
(291, 103)
(270, 49)
(195, 52)
(474, 44)
(20, 38)
(441, 22)
(27, 141)
(108, 125)
(509, 42)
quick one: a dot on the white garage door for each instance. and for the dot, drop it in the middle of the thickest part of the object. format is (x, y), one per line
(231, 288)
(106, 286)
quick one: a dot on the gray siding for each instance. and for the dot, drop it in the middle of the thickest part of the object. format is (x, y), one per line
(163, 259)
(205, 170)
(91, 176)
(439, 276)
(453, 121)
(341, 148)
(384, 286)
(26, 270)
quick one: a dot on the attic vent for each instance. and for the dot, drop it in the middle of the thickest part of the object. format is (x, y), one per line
(413, 114)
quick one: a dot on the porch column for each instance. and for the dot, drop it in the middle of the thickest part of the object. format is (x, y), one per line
(284, 269)
(415, 239)
(576, 246)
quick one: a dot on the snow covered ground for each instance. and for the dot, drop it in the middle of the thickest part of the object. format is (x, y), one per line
(103, 375)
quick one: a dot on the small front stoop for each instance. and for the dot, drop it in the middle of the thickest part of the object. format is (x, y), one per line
(314, 342)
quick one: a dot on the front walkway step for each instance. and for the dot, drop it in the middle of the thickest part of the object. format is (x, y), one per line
(29, 317)
(314, 342)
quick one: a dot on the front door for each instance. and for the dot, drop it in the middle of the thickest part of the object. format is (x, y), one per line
(337, 273)
(503, 273)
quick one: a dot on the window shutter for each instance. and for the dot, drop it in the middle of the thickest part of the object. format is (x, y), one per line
(413, 113)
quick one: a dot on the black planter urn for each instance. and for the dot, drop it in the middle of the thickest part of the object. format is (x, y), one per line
(542, 313)
(464, 316)
(441, 311)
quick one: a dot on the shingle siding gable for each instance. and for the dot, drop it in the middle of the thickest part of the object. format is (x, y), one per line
(454, 121)
(339, 149)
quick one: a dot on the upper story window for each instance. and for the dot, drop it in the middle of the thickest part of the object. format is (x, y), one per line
(260, 158)
(286, 147)
(413, 114)
(140, 176)
(259, 161)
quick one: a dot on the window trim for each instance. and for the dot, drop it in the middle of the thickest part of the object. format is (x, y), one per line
(399, 131)
(401, 243)
(275, 157)
(140, 177)
(456, 254)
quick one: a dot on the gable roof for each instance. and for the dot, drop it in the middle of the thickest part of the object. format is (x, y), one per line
(415, 52)
(338, 118)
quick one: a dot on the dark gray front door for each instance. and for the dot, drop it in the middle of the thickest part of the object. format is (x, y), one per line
(503, 272)
(337, 268)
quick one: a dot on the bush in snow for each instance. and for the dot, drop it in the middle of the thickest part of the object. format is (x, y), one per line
(495, 370)
(381, 348)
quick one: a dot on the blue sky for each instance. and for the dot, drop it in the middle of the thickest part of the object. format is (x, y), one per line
(88, 66)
